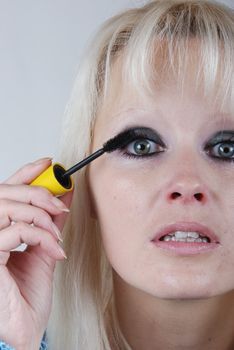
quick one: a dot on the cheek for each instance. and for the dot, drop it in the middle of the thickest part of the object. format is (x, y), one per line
(129, 199)
(121, 202)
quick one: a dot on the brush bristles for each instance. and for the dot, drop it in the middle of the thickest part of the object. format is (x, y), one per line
(119, 141)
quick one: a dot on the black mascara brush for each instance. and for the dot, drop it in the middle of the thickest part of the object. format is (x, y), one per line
(58, 180)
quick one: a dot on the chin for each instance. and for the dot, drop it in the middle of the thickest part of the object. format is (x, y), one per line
(184, 294)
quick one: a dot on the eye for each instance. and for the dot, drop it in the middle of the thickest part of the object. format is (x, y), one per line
(141, 148)
(223, 151)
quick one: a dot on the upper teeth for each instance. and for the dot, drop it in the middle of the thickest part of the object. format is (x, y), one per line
(182, 234)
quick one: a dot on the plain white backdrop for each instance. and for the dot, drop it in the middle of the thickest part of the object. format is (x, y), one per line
(41, 43)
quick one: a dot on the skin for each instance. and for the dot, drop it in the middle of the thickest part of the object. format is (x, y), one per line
(26, 277)
(166, 301)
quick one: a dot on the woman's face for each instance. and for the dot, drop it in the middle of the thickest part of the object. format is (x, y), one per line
(133, 197)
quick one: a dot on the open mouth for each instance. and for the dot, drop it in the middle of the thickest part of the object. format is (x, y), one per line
(181, 236)
(187, 232)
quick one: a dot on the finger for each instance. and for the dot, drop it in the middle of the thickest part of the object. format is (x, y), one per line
(27, 173)
(59, 220)
(13, 236)
(20, 212)
(35, 195)
(15, 258)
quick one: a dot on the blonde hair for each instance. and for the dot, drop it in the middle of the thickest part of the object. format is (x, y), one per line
(152, 39)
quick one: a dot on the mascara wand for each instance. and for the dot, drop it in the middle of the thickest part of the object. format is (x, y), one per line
(84, 162)
(58, 180)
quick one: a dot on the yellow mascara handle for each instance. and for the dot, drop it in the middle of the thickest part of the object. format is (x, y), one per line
(52, 179)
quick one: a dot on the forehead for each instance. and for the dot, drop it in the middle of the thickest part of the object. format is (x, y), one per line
(124, 99)
(142, 80)
(175, 87)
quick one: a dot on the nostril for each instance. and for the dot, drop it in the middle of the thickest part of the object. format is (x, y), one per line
(175, 195)
(198, 196)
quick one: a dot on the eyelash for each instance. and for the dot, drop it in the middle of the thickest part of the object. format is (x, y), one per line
(155, 154)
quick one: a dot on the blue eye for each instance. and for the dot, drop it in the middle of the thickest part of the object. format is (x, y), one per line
(221, 146)
(140, 142)
(223, 151)
(142, 148)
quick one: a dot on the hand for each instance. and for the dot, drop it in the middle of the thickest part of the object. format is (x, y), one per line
(27, 277)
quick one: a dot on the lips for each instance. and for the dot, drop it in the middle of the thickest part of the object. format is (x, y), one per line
(187, 226)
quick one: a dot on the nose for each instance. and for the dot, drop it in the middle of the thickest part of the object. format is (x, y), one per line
(187, 191)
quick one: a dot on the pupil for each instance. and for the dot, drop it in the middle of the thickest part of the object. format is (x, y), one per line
(227, 150)
(142, 147)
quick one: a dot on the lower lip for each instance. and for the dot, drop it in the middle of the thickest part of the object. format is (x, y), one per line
(190, 248)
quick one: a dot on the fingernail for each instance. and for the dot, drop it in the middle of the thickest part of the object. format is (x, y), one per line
(57, 232)
(62, 252)
(66, 210)
(42, 160)
(59, 204)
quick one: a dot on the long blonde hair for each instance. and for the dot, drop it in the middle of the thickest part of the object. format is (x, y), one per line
(153, 39)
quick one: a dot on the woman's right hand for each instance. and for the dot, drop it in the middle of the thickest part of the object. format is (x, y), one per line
(26, 277)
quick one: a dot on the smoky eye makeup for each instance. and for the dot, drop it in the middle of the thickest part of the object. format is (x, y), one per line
(142, 142)
(221, 146)
(140, 139)
(221, 136)
(138, 132)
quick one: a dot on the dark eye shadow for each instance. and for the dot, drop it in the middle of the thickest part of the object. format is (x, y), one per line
(221, 136)
(128, 135)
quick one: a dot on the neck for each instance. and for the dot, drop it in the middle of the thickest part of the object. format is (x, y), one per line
(199, 324)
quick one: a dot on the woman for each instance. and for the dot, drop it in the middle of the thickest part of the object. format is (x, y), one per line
(149, 239)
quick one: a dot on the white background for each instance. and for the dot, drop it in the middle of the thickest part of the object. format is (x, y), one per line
(40, 47)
